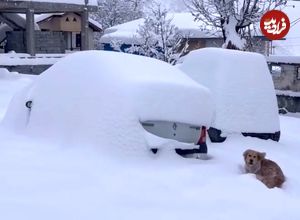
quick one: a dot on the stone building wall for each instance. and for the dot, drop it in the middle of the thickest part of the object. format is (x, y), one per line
(45, 42)
(287, 79)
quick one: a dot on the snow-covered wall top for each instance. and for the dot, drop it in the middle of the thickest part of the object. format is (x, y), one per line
(77, 2)
(127, 32)
(284, 59)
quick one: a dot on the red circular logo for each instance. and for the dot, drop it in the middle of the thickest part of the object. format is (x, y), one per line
(275, 25)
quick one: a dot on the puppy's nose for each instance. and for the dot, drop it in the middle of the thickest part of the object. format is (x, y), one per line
(251, 161)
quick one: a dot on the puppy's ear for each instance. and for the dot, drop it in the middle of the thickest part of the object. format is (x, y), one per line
(261, 155)
(246, 153)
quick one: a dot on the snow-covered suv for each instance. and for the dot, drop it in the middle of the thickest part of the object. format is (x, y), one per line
(242, 90)
(116, 101)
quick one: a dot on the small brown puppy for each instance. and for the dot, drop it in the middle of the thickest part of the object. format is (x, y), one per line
(267, 171)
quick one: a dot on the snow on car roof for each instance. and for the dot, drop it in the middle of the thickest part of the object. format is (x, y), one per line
(99, 96)
(241, 86)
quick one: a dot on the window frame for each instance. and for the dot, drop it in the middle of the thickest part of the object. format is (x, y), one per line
(274, 72)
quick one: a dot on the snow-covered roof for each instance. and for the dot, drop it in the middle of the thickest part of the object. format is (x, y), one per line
(185, 22)
(95, 25)
(77, 2)
(290, 46)
(284, 59)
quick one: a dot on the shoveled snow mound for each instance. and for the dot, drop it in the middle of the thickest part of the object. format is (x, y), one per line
(99, 97)
(241, 86)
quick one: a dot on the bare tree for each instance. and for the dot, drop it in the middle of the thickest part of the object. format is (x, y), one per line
(158, 37)
(113, 12)
(235, 18)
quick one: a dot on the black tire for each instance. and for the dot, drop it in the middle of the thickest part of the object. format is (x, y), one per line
(201, 150)
(265, 136)
(215, 135)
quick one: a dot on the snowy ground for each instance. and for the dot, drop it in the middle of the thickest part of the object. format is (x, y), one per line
(43, 180)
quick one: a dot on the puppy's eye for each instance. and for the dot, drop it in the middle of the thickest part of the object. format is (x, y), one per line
(249, 155)
(254, 156)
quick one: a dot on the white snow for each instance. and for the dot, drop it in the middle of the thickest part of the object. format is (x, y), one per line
(241, 86)
(284, 59)
(231, 34)
(99, 97)
(185, 22)
(12, 82)
(42, 180)
(291, 45)
(288, 93)
(13, 59)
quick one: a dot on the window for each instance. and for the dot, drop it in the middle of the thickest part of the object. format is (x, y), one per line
(74, 20)
(276, 70)
(298, 72)
(67, 19)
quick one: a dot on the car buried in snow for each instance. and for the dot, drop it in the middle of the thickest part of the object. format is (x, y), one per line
(242, 90)
(116, 98)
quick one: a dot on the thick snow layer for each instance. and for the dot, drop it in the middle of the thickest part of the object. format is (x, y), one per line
(291, 45)
(99, 97)
(40, 180)
(288, 93)
(185, 22)
(12, 82)
(284, 59)
(14, 59)
(241, 86)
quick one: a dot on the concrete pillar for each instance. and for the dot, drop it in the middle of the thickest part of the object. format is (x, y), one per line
(85, 30)
(30, 36)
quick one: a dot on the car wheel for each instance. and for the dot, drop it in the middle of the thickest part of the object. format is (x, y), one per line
(265, 136)
(215, 135)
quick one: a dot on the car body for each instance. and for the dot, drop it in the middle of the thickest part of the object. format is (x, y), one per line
(242, 90)
(98, 95)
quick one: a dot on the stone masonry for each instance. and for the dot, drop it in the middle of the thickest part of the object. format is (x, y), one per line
(46, 42)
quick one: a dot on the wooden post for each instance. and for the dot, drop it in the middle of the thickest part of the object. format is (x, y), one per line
(85, 29)
(30, 35)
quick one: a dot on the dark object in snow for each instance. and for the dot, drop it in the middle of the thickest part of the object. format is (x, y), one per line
(154, 150)
(215, 135)
(28, 104)
(201, 150)
(265, 136)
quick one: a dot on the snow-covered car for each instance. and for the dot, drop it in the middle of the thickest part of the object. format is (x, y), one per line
(115, 100)
(242, 89)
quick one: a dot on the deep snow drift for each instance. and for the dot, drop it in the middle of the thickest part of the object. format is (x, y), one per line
(99, 97)
(241, 86)
(43, 180)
